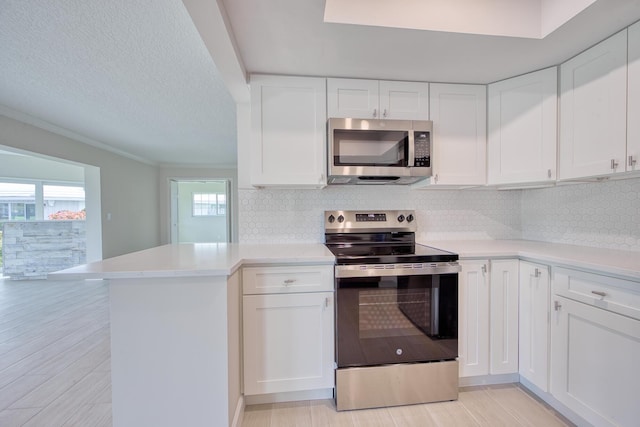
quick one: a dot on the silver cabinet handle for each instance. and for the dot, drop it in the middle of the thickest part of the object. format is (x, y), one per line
(548, 173)
(326, 302)
(484, 269)
(614, 164)
(537, 273)
(375, 112)
(288, 282)
(384, 113)
(556, 305)
(599, 293)
(632, 161)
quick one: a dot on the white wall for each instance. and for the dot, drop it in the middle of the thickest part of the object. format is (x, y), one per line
(129, 189)
(29, 167)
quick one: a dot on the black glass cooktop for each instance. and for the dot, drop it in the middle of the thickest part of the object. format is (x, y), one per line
(383, 248)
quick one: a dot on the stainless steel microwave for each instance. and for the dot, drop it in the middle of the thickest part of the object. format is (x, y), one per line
(364, 151)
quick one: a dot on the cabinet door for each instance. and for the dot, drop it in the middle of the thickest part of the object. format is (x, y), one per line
(503, 344)
(288, 120)
(288, 342)
(473, 318)
(594, 369)
(633, 112)
(593, 105)
(534, 324)
(459, 134)
(404, 100)
(522, 128)
(353, 98)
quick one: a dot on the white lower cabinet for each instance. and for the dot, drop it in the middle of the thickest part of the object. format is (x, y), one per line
(488, 317)
(288, 337)
(595, 349)
(534, 324)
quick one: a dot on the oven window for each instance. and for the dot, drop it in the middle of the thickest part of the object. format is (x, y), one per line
(370, 148)
(399, 319)
(387, 312)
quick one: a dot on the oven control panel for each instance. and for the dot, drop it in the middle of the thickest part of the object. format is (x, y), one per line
(364, 217)
(363, 221)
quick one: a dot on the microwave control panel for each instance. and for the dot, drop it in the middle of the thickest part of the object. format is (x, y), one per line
(422, 149)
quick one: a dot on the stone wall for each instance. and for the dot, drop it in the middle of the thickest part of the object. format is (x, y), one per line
(32, 249)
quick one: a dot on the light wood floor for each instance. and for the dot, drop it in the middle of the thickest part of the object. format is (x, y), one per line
(55, 371)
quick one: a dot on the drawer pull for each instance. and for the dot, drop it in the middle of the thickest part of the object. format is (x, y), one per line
(599, 293)
(288, 282)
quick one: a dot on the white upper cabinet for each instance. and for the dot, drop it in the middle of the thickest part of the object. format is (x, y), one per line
(288, 122)
(458, 113)
(593, 106)
(633, 111)
(374, 99)
(522, 128)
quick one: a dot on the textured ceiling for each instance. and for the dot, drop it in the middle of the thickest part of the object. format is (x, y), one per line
(133, 75)
(136, 76)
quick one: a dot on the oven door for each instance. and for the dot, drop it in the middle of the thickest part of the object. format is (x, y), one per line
(396, 318)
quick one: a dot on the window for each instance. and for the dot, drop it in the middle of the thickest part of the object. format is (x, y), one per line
(17, 201)
(209, 204)
(63, 202)
(21, 201)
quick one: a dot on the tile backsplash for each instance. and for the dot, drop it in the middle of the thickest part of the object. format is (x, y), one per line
(282, 216)
(602, 214)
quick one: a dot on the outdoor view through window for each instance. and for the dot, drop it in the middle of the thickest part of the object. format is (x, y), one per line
(40, 201)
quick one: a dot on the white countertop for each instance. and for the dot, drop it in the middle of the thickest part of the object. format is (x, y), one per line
(602, 260)
(222, 259)
(196, 259)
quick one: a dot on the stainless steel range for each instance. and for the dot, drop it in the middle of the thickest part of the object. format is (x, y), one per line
(396, 312)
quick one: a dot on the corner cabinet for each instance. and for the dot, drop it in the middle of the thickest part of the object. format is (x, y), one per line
(522, 129)
(288, 122)
(595, 329)
(458, 113)
(633, 106)
(488, 317)
(535, 288)
(593, 105)
(288, 329)
(377, 99)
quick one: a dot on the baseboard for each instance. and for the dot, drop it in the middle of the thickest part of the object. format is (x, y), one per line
(259, 399)
(558, 406)
(489, 380)
(238, 416)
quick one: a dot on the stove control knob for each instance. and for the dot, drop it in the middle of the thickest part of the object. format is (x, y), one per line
(331, 219)
(341, 219)
(409, 218)
(401, 218)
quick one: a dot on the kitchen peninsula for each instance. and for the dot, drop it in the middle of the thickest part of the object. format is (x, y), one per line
(176, 328)
(176, 324)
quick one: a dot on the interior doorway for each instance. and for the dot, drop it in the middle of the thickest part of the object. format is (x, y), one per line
(200, 211)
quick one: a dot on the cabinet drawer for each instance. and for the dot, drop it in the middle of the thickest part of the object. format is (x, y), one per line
(286, 279)
(609, 293)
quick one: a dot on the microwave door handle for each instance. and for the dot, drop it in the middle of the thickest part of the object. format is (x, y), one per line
(412, 150)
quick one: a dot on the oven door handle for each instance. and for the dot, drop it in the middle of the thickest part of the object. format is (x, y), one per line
(373, 270)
